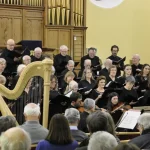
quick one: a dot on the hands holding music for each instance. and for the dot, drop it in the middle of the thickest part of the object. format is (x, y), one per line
(87, 92)
(132, 103)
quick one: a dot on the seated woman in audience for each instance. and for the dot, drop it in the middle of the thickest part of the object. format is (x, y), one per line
(128, 95)
(98, 92)
(126, 146)
(59, 136)
(87, 83)
(112, 74)
(127, 72)
(142, 80)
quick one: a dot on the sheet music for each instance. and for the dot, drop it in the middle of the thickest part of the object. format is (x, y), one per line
(68, 94)
(129, 119)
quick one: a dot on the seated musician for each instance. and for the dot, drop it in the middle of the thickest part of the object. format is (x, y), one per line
(112, 74)
(127, 72)
(98, 92)
(114, 57)
(89, 107)
(37, 55)
(87, 64)
(136, 66)
(142, 80)
(87, 83)
(128, 95)
(61, 60)
(2, 80)
(26, 60)
(105, 70)
(95, 60)
(2, 65)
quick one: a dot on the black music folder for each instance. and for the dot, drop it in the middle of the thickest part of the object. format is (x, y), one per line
(76, 64)
(119, 62)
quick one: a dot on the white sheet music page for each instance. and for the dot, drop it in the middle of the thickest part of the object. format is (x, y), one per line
(129, 119)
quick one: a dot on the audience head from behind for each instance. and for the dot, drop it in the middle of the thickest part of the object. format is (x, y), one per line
(126, 146)
(114, 50)
(130, 81)
(32, 112)
(89, 105)
(2, 65)
(15, 139)
(10, 44)
(7, 122)
(87, 63)
(2, 80)
(76, 99)
(97, 121)
(26, 60)
(20, 69)
(59, 131)
(108, 63)
(70, 65)
(54, 82)
(92, 52)
(136, 59)
(143, 122)
(37, 52)
(102, 140)
(63, 50)
(73, 116)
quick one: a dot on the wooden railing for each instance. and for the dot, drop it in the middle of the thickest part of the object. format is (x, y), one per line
(42, 69)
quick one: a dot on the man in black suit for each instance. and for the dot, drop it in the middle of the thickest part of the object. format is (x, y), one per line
(95, 60)
(61, 60)
(73, 117)
(115, 58)
(37, 55)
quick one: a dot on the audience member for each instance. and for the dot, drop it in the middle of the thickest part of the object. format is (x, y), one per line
(61, 60)
(127, 146)
(89, 107)
(102, 140)
(59, 136)
(32, 126)
(143, 141)
(15, 139)
(7, 122)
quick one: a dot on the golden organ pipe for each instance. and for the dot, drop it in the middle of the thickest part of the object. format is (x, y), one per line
(58, 15)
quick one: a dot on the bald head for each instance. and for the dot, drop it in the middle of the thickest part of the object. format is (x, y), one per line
(37, 52)
(87, 63)
(15, 139)
(108, 63)
(136, 59)
(10, 44)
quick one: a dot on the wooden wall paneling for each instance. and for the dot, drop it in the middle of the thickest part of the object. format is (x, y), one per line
(10, 24)
(33, 27)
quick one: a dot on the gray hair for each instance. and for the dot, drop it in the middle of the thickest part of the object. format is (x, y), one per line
(63, 47)
(32, 109)
(71, 62)
(20, 68)
(102, 140)
(2, 61)
(15, 139)
(2, 79)
(87, 60)
(144, 121)
(38, 49)
(89, 103)
(72, 115)
(136, 55)
(7, 122)
(25, 57)
(130, 79)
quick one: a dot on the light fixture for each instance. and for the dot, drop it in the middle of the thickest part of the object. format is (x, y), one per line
(106, 3)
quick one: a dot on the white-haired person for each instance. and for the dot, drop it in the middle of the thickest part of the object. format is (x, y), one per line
(2, 80)
(37, 55)
(136, 66)
(15, 139)
(143, 125)
(20, 68)
(102, 140)
(11, 57)
(73, 117)
(2, 65)
(26, 60)
(32, 126)
(61, 60)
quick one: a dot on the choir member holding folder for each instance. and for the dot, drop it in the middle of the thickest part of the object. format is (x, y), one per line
(87, 82)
